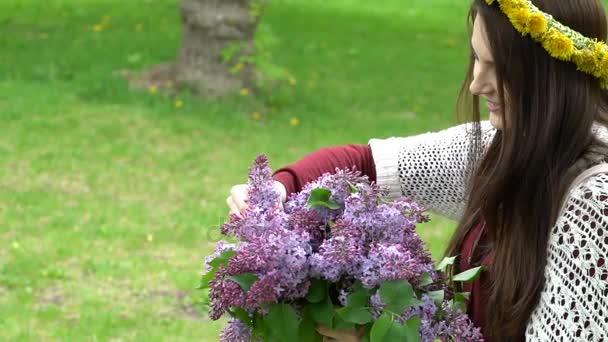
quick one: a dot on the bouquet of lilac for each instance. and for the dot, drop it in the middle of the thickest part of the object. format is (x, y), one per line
(336, 254)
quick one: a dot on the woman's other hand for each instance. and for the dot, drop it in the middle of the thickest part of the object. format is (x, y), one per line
(237, 201)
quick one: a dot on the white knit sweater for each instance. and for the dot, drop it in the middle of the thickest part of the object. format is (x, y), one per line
(573, 306)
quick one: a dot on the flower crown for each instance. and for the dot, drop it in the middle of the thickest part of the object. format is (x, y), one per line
(562, 42)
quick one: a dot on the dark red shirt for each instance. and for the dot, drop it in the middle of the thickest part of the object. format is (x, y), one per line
(472, 256)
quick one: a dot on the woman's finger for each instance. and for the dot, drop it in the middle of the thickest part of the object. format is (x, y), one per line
(239, 196)
(233, 208)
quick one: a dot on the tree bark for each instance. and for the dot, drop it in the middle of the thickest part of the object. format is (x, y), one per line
(209, 28)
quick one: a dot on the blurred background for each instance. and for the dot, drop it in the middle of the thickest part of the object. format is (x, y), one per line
(117, 149)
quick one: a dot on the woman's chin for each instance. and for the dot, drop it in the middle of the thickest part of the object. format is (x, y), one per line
(496, 120)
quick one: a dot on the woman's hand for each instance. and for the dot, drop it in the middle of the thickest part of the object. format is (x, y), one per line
(339, 335)
(237, 201)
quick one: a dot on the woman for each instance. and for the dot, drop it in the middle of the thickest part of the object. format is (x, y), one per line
(529, 188)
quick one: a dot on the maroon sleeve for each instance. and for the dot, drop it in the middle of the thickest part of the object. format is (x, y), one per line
(312, 166)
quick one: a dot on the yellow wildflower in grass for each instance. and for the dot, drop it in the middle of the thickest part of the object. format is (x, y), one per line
(558, 45)
(150, 237)
(256, 116)
(98, 27)
(179, 103)
(239, 66)
(293, 82)
(244, 92)
(295, 121)
(153, 89)
(537, 25)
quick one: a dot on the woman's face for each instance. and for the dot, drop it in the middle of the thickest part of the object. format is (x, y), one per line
(484, 74)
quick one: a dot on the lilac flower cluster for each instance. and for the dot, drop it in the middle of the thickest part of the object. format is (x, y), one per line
(353, 236)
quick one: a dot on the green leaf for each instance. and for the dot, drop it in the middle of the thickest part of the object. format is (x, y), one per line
(359, 298)
(245, 280)
(412, 330)
(357, 307)
(320, 197)
(437, 296)
(282, 323)
(386, 329)
(259, 327)
(353, 188)
(308, 328)
(242, 315)
(340, 324)
(221, 260)
(459, 301)
(322, 312)
(207, 277)
(397, 295)
(462, 296)
(380, 328)
(458, 305)
(317, 291)
(447, 261)
(355, 315)
(469, 275)
(426, 279)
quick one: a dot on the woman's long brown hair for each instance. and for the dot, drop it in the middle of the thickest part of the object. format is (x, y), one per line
(521, 179)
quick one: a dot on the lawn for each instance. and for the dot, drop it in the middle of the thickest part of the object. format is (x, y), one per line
(111, 197)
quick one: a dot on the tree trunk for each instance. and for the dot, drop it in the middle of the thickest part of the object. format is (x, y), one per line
(210, 27)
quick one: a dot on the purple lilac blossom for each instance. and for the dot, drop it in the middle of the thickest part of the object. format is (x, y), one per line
(236, 331)
(365, 240)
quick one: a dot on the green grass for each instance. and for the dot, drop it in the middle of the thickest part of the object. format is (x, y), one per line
(111, 198)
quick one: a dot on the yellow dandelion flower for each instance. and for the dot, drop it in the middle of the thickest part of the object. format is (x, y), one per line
(601, 70)
(295, 121)
(150, 237)
(510, 6)
(239, 66)
(256, 116)
(537, 25)
(16, 245)
(153, 89)
(558, 45)
(519, 19)
(98, 27)
(585, 61)
(599, 49)
(293, 82)
(490, 2)
(244, 92)
(139, 27)
(179, 104)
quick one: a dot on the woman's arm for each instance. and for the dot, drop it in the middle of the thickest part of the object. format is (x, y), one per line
(432, 168)
(312, 166)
